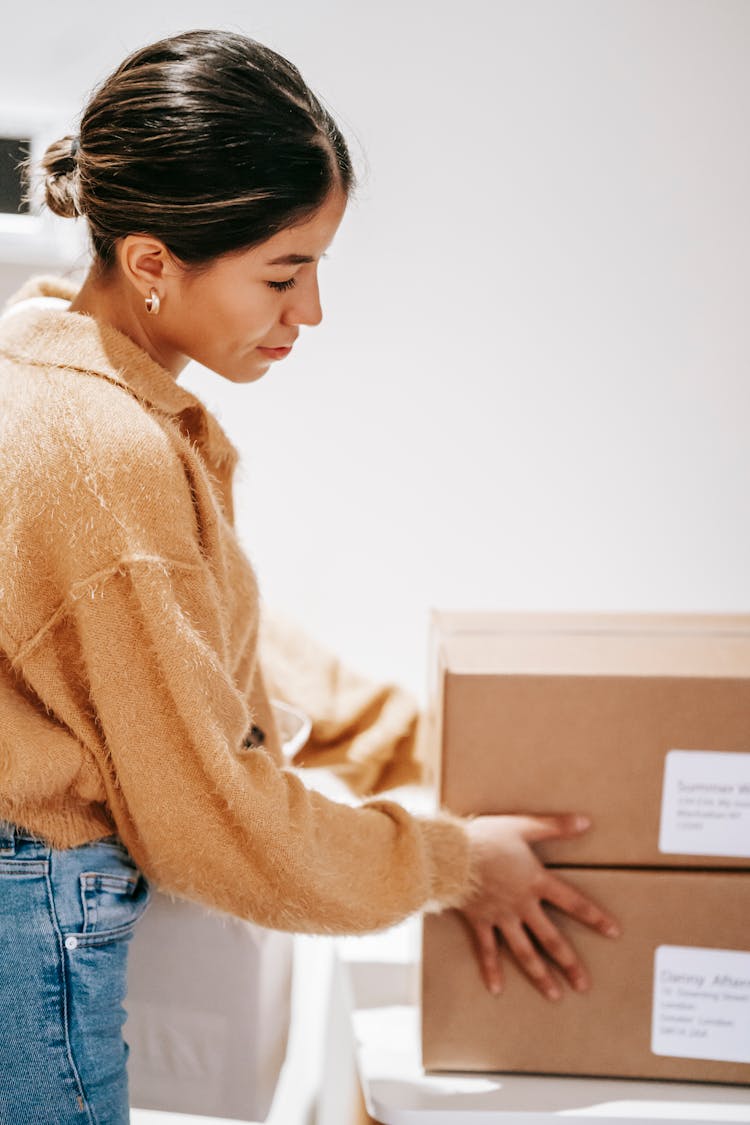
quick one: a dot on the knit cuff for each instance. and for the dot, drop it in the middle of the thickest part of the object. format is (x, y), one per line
(454, 870)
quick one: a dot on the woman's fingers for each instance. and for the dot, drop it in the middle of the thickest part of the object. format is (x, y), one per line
(560, 826)
(584, 909)
(515, 885)
(489, 956)
(530, 960)
(558, 947)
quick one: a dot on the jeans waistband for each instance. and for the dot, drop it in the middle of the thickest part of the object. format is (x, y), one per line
(10, 832)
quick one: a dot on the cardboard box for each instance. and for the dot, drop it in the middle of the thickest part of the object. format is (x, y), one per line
(670, 998)
(640, 721)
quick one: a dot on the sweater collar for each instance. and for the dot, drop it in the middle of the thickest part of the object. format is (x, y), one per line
(41, 333)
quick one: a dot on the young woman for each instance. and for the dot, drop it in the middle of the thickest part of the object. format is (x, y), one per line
(137, 738)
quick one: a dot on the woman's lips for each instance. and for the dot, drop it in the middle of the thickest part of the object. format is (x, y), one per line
(275, 353)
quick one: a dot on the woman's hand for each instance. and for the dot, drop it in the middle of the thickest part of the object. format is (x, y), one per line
(514, 883)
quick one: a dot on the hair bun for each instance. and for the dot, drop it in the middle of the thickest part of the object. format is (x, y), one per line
(59, 168)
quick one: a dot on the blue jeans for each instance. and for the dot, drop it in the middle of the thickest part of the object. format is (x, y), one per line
(66, 919)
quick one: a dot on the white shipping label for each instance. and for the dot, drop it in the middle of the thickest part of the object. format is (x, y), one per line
(701, 1004)
(705, 804)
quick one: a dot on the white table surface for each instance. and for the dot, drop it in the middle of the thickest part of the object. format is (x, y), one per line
(376, 989)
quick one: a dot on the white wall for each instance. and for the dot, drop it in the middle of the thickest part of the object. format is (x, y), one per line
(530, 388)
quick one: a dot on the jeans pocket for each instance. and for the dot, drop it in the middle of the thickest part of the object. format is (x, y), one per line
(112, 903)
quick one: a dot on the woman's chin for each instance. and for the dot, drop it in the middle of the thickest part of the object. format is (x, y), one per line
(253, 368)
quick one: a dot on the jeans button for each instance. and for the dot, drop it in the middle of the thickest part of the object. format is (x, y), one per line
(71, 942)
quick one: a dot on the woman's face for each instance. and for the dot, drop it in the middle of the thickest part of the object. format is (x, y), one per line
(244, 303)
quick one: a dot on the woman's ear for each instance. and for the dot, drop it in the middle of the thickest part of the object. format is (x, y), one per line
(145, 261)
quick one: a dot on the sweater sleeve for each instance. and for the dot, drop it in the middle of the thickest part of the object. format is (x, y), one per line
(204, 815)
(219, 823)
(372, 735)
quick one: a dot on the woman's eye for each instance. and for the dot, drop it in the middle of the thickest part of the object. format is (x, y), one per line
(282, 285)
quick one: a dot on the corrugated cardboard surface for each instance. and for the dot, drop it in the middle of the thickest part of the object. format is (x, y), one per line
(576, 713)
(607, 1031)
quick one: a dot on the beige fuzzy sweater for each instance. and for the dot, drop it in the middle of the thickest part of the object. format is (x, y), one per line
(134, 690)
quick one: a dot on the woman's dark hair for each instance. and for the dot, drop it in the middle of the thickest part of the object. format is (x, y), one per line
(207, 140)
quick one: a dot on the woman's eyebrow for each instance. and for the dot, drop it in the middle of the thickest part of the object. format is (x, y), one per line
(292, 260)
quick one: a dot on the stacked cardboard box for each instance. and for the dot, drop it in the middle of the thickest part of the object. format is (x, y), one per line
(643, 723)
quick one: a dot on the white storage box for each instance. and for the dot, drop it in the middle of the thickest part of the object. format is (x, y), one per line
(209, 999)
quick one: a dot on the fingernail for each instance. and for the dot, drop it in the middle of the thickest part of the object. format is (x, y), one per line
(580, 984)
(583, 822)
(554, 993)
(612, 930)
(495, 987)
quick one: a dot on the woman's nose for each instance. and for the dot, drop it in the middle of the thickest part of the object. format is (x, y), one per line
(305, 307)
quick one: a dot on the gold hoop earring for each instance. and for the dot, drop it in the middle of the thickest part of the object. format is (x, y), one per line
(153, 303)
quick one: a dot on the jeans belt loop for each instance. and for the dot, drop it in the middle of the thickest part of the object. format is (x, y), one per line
(7, 838)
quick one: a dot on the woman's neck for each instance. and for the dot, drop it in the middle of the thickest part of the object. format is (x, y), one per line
(117, 304)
